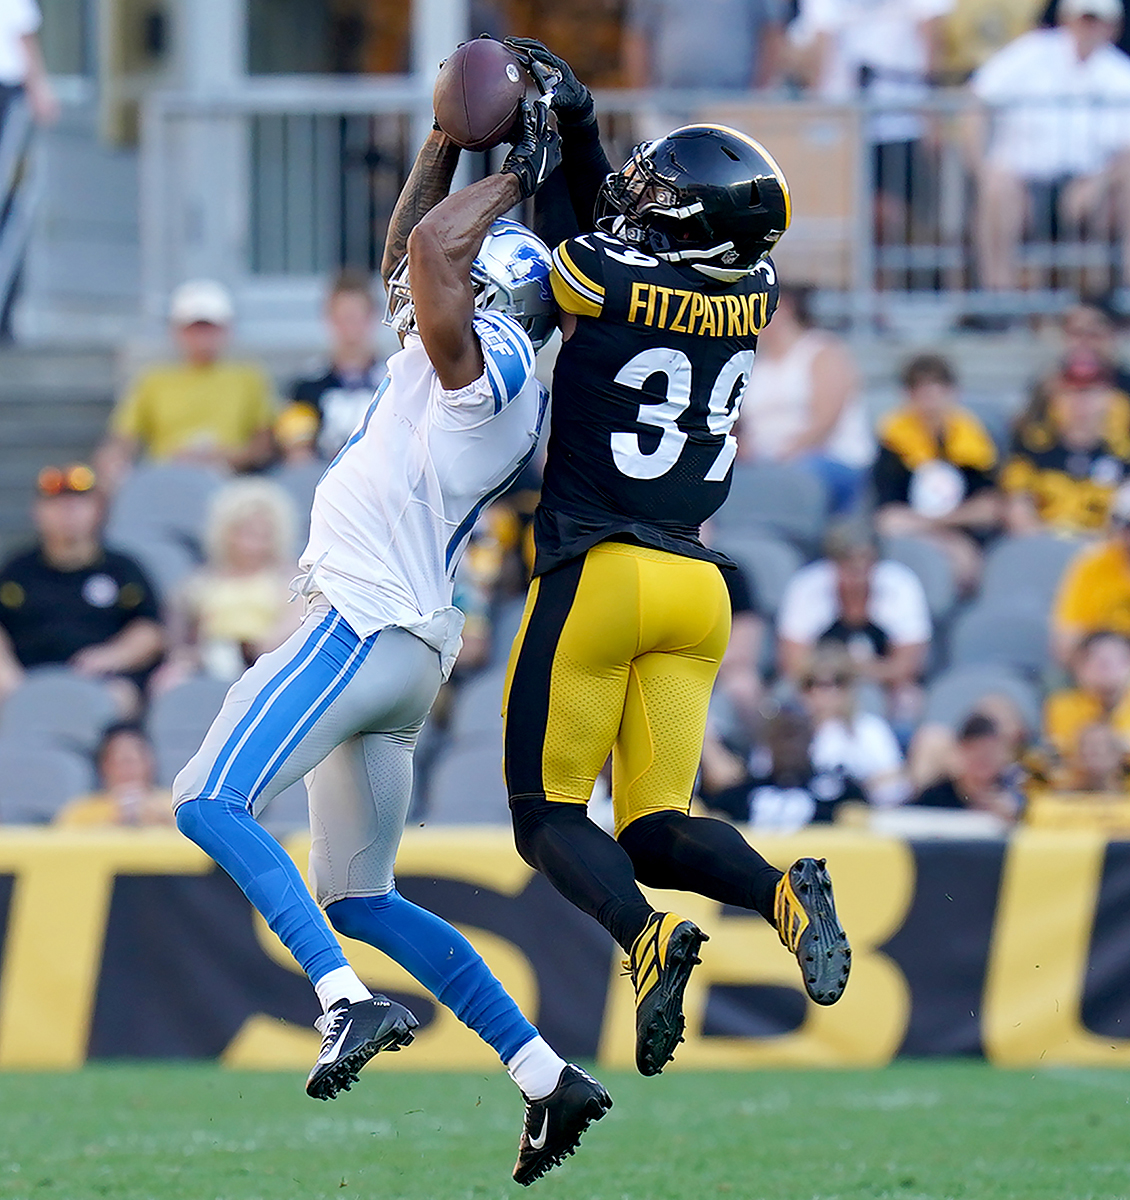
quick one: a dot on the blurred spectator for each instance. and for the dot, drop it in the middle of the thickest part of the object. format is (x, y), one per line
(235, 607)
(881, 50)
(728, 45)
(1097, 762)
(876, 609)
(1101, 692)
(1056, 155)
(802, 402)
(933, 749)
(71, 600)
(982, 778)
(127, 786)
(1094, 593)
(934, 477)
(977, 29)
(22, 75)
(736, 705)
(787, 792)
(1090, 327)
(1050, 13)
(853, 743)
(202, 409)
(338, 393)
(1063, 468)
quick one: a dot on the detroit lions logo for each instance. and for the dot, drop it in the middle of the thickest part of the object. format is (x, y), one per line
(535, 267)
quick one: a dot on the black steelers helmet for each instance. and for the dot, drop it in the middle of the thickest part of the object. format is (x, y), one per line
(704, 195)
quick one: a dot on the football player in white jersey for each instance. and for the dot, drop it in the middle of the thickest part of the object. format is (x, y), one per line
(342, 701)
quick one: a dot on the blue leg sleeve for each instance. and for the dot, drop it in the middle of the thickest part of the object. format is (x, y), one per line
(269, 879)
(442, 959)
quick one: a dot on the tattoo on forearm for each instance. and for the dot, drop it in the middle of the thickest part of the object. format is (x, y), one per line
(427, 184)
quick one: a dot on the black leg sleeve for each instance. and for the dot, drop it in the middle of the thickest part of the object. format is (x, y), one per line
(583, 863)
(700, 854)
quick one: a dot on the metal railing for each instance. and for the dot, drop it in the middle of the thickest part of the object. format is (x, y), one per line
(17, 196)
(279, 182)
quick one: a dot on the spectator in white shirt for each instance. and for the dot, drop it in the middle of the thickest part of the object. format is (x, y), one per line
(885, 51)
(877, 609)
(802, 402)
(1057, 154)
(845, 740)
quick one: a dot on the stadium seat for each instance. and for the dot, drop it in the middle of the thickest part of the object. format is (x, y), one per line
(505, 623)
(55, 707)
(932, 568)
(162, 501)
(992, 631)
(956, 692)
(36, 781)
(178, 721)
(1028, 568)
(477, 707)
(782, 497)
(166, 563)
(299, 480)
(769, 562)
(467, 787)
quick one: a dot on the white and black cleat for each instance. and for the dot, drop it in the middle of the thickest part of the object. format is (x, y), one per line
(553, 1126)
(351, 1035)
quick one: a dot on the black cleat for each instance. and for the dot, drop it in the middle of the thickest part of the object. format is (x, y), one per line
(807, 924)
(351, 1035)
(661, 962)
(553, 1126)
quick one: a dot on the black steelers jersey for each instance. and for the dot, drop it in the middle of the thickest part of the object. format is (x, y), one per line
(645, 396)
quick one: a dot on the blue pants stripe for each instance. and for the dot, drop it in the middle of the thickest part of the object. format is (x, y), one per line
(263, 700)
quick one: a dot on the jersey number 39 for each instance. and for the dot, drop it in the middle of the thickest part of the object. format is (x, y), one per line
(721, 412)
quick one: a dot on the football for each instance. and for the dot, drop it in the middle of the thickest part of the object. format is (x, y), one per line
(477, 94)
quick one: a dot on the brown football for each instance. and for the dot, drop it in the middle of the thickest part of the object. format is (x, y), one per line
(478, 92)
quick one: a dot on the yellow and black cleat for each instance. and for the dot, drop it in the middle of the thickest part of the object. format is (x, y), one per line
(806, 920)
(661, 962)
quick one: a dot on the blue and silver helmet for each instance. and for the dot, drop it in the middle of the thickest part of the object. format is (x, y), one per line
(510, 275)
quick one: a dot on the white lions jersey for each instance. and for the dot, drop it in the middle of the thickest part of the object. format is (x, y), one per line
(395, 508)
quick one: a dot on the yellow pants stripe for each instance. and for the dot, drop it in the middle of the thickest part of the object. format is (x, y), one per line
(617, 654)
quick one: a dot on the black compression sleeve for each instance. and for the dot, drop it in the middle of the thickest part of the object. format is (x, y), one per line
(585, 166)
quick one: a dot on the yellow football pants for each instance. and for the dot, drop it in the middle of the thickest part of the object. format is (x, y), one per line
(617, 653)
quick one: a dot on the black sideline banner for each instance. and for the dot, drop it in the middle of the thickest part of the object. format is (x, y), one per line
(117, 945)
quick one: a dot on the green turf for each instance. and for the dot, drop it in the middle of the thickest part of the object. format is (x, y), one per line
(915, 1131)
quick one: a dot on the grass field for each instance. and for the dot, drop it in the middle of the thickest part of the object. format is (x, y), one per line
(915, 1131)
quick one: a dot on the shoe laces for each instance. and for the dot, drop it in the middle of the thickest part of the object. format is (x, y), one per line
(329, 1023)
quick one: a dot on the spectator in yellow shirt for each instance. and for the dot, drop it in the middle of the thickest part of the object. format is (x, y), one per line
(1094, 593)
(935, 477)
(127, 792)
(202, 409)
(1065, 462)
(1101, 694)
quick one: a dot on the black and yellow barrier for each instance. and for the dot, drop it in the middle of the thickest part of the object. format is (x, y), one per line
(118, 945)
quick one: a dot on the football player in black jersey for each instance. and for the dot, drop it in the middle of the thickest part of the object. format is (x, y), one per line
(663, 293)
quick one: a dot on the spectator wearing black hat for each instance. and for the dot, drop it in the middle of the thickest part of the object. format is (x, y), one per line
(71, 600)
(984, 776)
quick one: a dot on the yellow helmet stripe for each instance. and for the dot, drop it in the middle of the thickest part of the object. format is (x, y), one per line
(764, 153)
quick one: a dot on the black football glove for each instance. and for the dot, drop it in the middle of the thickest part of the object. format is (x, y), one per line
(572, 101)
(537, 150)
